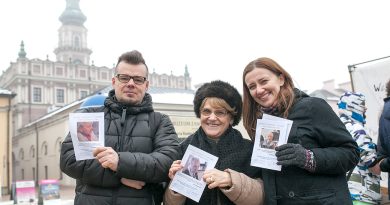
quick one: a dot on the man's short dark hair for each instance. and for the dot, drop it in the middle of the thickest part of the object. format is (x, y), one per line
(133, 57)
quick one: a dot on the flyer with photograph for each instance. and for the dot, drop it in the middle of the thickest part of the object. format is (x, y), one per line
(271, 117)
(188, 181)
(271, 131)
(87, 132)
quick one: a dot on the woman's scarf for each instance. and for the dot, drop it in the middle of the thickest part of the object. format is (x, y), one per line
(233, 152)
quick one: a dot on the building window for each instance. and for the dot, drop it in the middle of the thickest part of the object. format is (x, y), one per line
(181, 84)
(60, 95)
(104, 75)
(37, 94)
(21, 154)
(76, 42)
(22, 174)
(33, 173)
(37, 69)
(44, 148)
(164, 82)
(58, 144)
(32, 152)
(59, 71)
(83, 74)
(83, 94)
(4, 161)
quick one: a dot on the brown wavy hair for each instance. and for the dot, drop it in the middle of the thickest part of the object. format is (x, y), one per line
(251, 111)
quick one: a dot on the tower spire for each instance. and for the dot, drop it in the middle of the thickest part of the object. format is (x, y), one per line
(72, 42)
(187, 79)
(22, 53)
(72, 14)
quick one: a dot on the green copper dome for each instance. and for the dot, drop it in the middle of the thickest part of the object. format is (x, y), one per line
(72, 13)
(22, 53)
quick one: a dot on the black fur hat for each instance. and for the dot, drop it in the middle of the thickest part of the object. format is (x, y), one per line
(223, 90)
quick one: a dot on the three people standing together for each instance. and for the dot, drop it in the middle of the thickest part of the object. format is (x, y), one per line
(141, 147)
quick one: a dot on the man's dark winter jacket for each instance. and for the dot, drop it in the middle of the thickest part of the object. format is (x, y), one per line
(146, 143)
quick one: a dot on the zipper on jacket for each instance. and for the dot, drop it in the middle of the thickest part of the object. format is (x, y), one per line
(120, 140)
(123, 116)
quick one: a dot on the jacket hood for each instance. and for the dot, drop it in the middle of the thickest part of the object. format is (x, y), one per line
(299, 94)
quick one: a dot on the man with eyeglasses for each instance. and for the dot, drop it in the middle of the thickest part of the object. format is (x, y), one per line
(140, 144)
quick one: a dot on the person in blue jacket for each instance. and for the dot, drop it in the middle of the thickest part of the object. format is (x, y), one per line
(384, 137)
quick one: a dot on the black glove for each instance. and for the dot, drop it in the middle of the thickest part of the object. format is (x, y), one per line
(296, 155)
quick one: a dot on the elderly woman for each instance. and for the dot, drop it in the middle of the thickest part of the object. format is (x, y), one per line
(219, 107)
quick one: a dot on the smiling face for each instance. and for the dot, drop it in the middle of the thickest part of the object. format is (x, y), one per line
(264, 86)
(214, 126)
(130, 93)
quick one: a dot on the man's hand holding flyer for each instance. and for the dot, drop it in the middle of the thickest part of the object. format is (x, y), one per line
(87, 132)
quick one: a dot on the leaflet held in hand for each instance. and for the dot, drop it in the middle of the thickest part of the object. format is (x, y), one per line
(87, 132)
(189, 181)
(271, 132)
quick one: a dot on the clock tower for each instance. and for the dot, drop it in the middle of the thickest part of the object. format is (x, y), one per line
(72, 36)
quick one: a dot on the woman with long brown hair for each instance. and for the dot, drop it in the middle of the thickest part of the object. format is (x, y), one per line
(319, 150)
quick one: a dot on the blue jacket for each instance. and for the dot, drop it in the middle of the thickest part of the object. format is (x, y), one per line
(384, 137)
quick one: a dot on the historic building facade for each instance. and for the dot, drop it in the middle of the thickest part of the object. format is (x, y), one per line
(5, 139)
(45, 85)
(44, 88)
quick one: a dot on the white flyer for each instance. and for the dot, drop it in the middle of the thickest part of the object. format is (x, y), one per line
(271, 117)
(271, 131)
(87, 132)
(188, 181)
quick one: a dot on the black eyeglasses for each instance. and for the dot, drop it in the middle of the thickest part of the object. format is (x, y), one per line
(123, 78)
(219, 113)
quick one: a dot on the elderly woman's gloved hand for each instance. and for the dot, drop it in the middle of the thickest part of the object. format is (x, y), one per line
(296, 155)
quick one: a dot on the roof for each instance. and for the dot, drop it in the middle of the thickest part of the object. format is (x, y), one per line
(172, 95)
(159, 95)
(324, 94)
(165, 95)
(4, 92)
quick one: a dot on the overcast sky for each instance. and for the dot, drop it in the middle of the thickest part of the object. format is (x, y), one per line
(313, 40)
